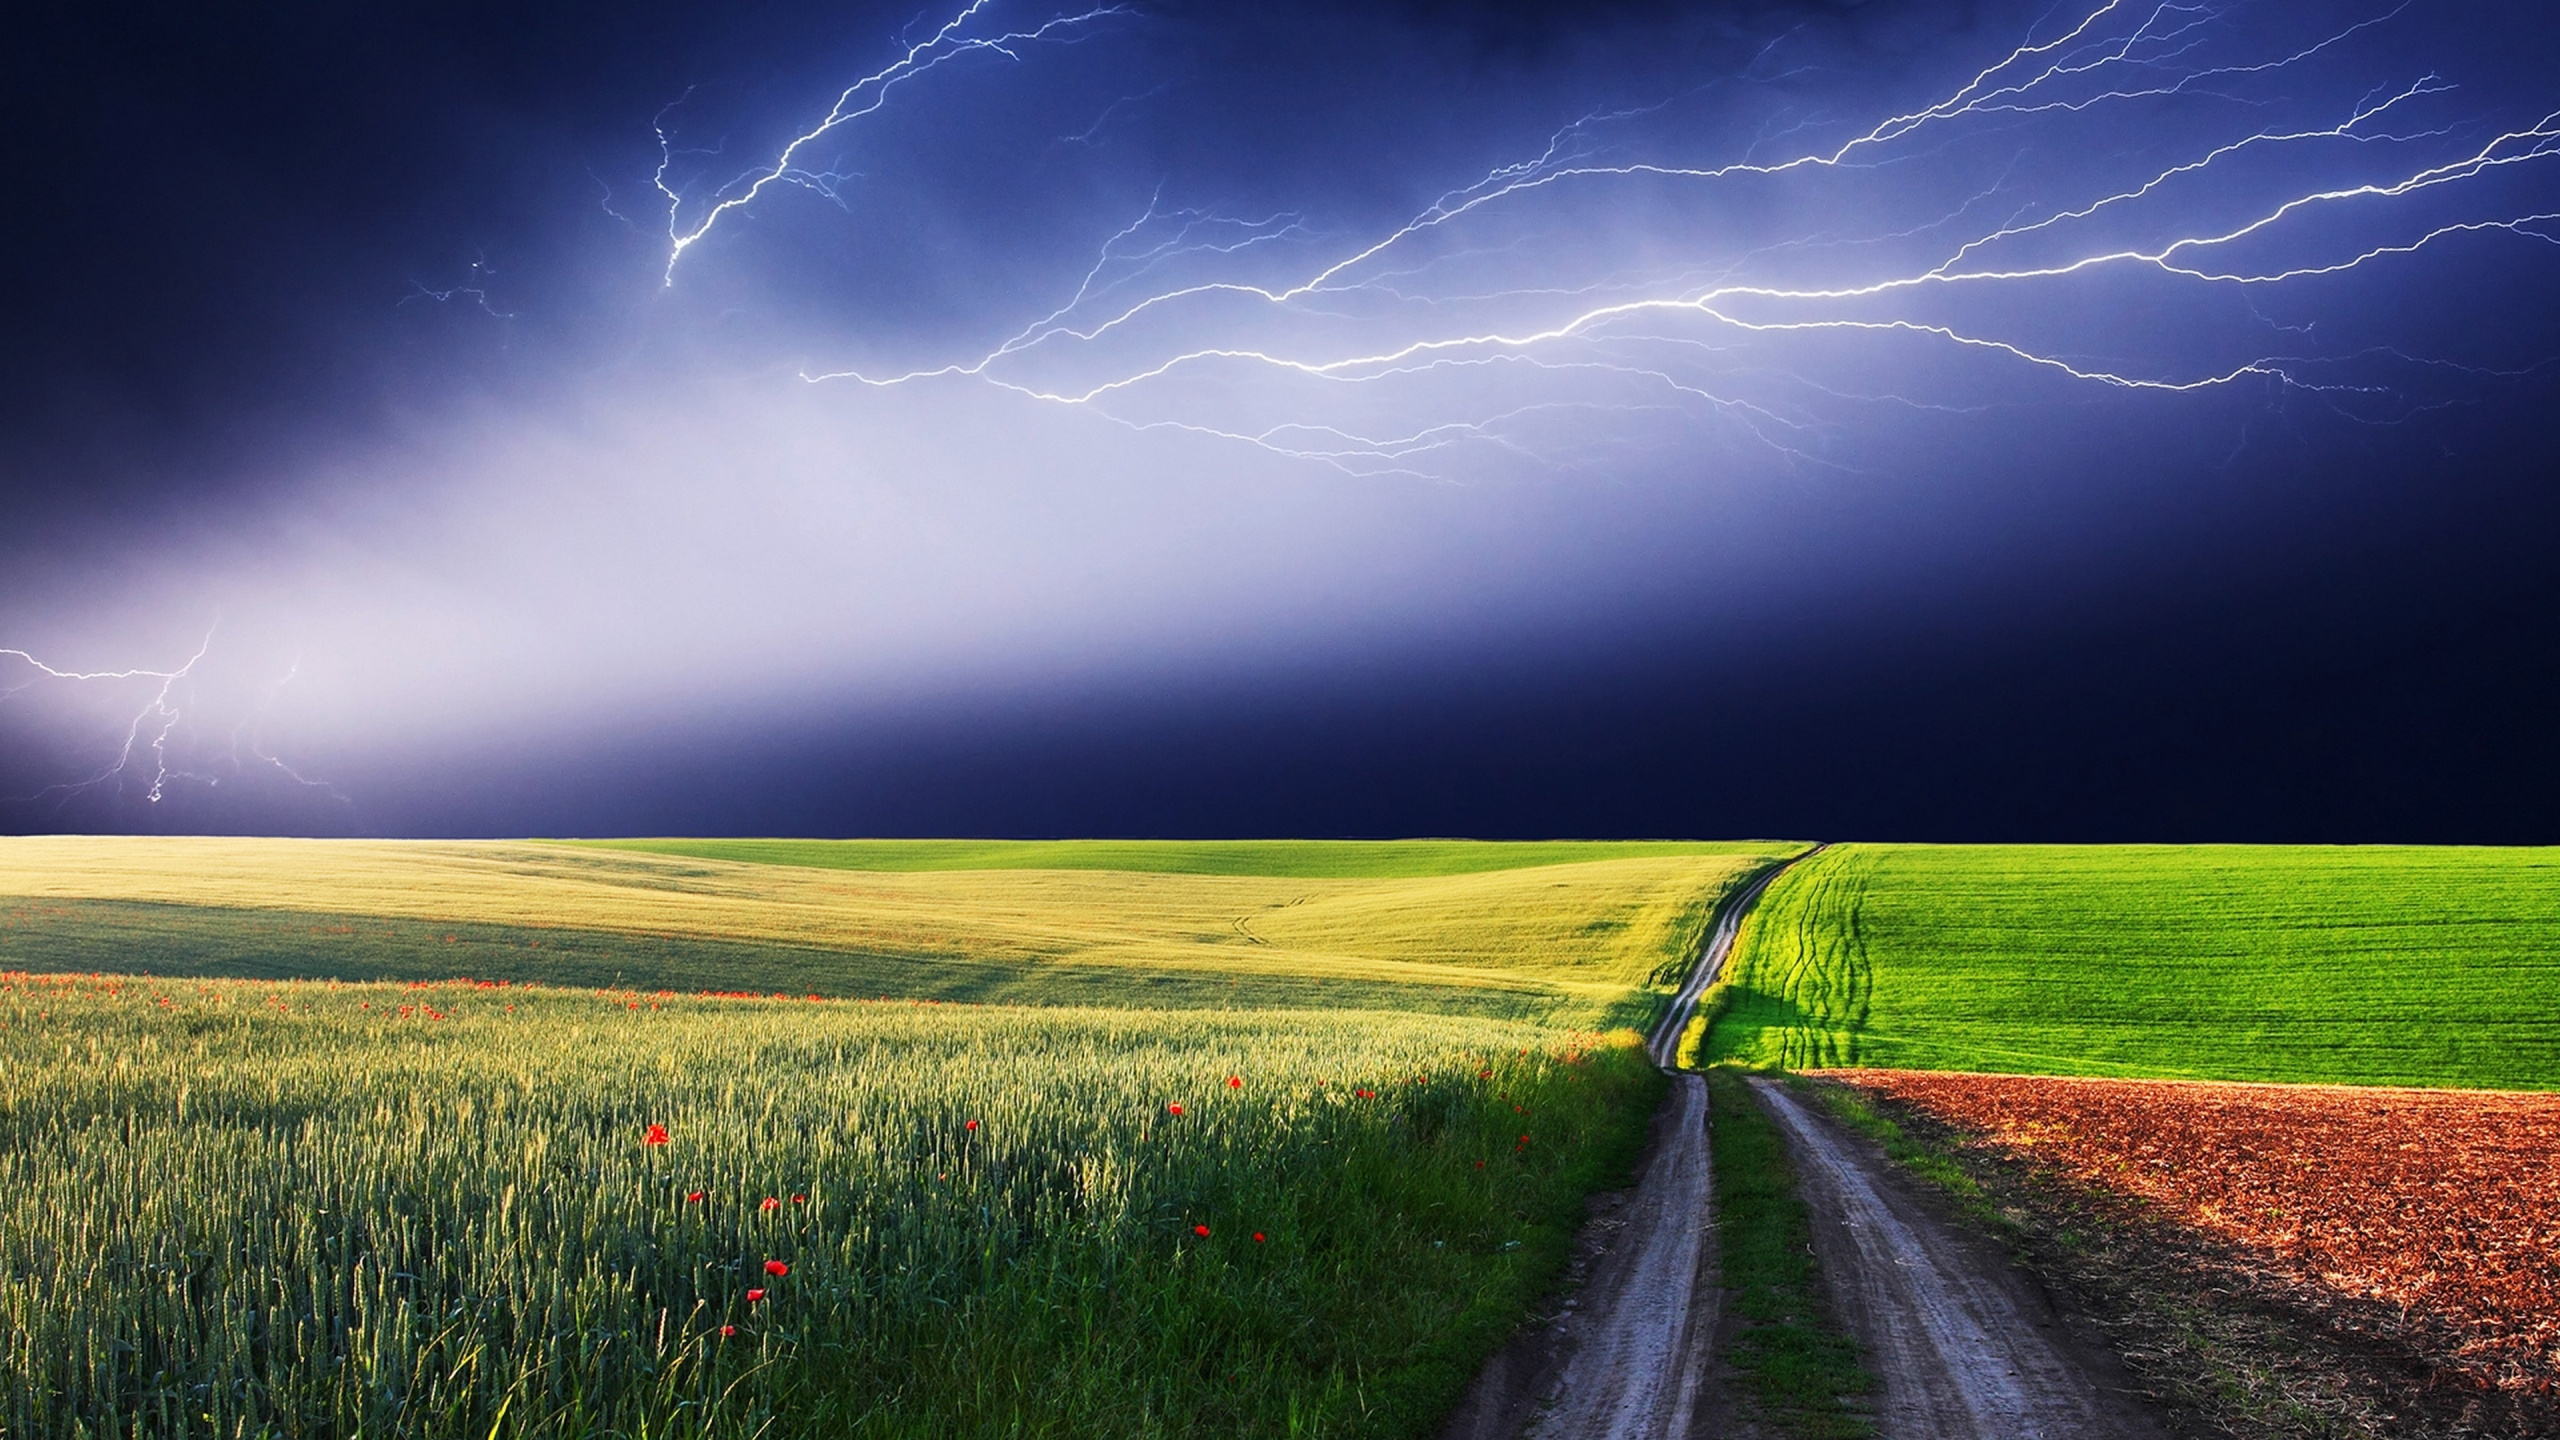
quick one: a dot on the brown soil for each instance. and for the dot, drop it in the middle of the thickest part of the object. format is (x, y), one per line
(2294, 1260)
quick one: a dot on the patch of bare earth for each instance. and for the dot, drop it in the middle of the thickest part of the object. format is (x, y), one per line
(2298, 1260)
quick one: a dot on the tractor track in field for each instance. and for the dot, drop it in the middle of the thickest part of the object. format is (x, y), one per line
(1965, 1347)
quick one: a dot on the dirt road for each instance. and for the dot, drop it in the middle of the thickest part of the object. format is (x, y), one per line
(1965, 1347)
(1626, 1358)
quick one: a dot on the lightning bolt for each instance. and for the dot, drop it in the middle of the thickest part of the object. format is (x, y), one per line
(148, 736)
(862, 98)
(1377, 358)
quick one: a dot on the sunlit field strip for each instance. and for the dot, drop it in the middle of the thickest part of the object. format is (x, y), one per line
(1588, 941)
(195, 941)
(1326, 859)
(307, 1209)
(2363, 965)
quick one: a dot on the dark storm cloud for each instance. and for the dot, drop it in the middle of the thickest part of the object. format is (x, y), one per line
(1531, 26)
(345, 326)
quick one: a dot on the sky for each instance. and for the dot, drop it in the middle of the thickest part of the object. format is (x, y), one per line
(1909, 419)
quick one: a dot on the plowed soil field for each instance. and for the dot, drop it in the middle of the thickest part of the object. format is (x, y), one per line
(2443, 1204)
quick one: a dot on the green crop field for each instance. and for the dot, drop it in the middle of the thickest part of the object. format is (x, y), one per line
(1282, 1140)
(312, 1209)
(2435, 966)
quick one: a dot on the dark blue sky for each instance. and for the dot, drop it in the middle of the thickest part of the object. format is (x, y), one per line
(1648, 419)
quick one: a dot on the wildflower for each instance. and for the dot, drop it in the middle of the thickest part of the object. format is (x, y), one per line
(1257, 1237)
(693, 1197)
(799, 1199)
(1200, 1230)
(1484, 1074)
(728, 1330)
(657, 1136)
(972, 1125)
(770, 1204)
(754, 1296)
(1479, 1164)
(1235, 1082)
(1173, 1109)
(776, 1269)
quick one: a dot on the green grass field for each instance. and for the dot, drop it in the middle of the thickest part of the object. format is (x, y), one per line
(2409, 966)
(350, 1191)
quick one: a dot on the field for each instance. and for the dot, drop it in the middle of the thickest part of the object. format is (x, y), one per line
(2402, 1242)
(1310, 859)
(2435, 966)
(314, 1209)
(1579, 944)
(1320, 1144)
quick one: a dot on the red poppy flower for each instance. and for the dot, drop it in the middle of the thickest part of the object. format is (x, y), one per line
(728, 1330)
(1479, 1164)
(1173, 1109)
(770, 1204)
(1235, 1082)
(657, 1136)
(1257, 1237)
(972, 1125)
(776, 1269)
(1484, 1074)
(1200, 1230)
(693, 1197)
(799, 1199)
(754, 1295)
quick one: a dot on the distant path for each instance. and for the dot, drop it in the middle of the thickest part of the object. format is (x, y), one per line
(1630, 1355)
(1967, 1350)
(1664, 1047)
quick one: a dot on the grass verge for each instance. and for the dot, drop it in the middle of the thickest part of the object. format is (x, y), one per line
(1791, 1368)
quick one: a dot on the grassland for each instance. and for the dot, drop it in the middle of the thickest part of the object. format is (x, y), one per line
(306, 1209)
(1588, 942)
(2436, 966)
(1306, 859)
(1280, 1141)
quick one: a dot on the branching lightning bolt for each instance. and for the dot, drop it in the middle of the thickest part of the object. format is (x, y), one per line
(147, 737)
(1171, 327)
(862, 98)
